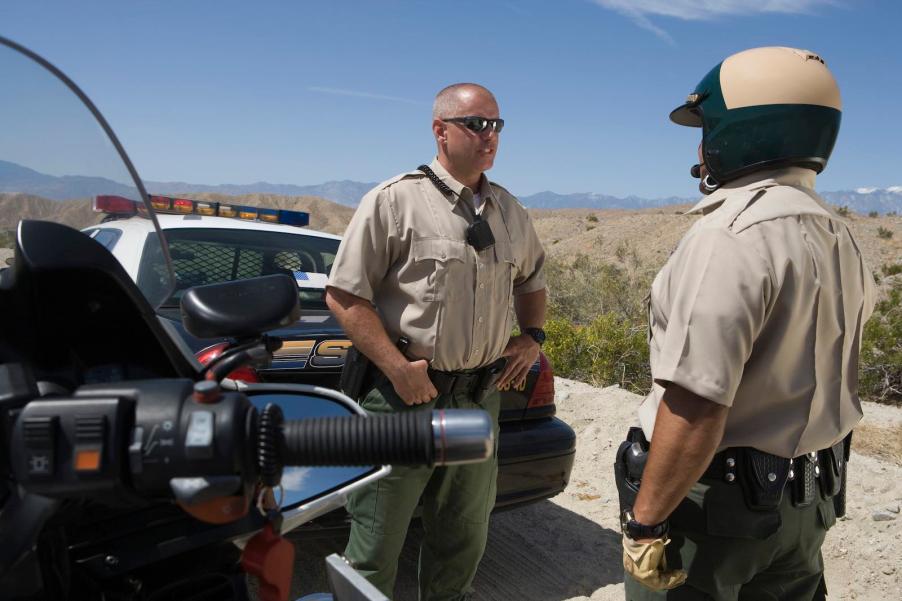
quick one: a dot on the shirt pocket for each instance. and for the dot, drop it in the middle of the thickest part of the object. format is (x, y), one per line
(434, 259)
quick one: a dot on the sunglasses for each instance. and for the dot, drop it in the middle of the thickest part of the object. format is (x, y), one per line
(477, 124)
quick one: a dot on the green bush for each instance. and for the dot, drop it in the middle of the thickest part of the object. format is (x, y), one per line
(873, 214)
(842, 211)
(580, 290)
(593, 218)
(880, 365)
(608, 350)
(884, 233)
(596, 327)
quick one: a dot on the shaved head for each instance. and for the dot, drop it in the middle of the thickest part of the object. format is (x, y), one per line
(449, 100)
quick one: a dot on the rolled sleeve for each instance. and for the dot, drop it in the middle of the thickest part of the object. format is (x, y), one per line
(718, 291)
(367, 249)
(531, 276)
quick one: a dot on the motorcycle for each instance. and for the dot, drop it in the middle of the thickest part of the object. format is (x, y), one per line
(128, 471)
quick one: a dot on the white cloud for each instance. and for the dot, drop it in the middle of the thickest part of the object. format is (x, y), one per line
(865, 190)
(294, 478)
(357, 94)
(639, 11)
(895, 189)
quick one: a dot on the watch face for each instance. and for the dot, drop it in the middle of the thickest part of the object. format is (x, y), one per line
(537, 334)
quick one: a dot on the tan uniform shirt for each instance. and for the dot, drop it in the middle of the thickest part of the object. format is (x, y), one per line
(405, 250)
(761, 308)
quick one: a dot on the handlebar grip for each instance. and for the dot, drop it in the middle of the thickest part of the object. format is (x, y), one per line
(411, 438)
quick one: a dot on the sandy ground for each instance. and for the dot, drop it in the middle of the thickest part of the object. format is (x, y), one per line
(568, 548)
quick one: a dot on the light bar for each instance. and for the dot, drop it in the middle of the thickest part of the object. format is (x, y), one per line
(119, 205)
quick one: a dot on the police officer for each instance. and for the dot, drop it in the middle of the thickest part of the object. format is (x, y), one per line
(755, 325)
(436, 256)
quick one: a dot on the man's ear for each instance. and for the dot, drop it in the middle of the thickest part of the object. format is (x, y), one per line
(439, 130)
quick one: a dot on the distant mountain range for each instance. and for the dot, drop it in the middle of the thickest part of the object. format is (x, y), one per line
(15, 178)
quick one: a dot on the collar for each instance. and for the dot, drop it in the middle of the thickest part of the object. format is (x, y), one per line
(460, 190)
(798, 177)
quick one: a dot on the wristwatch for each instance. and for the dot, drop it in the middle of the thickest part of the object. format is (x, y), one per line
(537, 334)
(635, 530)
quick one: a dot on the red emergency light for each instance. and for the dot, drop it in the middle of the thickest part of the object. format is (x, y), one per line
(107, 203)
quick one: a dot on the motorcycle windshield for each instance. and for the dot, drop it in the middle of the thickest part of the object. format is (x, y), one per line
(60, 161)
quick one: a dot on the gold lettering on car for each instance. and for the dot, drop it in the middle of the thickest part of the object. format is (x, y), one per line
(301, 353)
(507, 386)
(330, 353)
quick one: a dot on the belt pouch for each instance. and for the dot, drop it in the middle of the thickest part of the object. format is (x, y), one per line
(803, 485)
(763, 479)
(839, 501)
(832, 465)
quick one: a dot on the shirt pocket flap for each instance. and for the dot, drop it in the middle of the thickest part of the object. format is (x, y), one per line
(439, 249)
(504, 253)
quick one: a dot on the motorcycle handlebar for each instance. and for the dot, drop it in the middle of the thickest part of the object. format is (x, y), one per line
(413, 438)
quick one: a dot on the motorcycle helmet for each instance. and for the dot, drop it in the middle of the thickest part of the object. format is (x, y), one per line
(764, 108)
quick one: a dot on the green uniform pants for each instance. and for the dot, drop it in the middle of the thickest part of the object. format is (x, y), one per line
(733, 553)
(457, 501)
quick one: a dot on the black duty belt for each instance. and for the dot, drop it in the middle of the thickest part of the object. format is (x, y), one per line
(467, 382)
(763, 476)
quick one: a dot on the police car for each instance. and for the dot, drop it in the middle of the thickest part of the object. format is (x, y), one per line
(213, 242)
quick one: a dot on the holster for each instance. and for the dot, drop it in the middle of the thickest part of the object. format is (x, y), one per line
(629, 464)
(355, 374)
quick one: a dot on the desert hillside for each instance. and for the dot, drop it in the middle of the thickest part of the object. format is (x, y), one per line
(645, 236)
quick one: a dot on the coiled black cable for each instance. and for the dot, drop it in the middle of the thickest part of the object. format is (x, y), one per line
(270, 445)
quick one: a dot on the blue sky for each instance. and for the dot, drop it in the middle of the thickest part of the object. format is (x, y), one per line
(305, 92)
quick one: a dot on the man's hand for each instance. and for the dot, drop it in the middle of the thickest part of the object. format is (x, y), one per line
(412, 383)
(521, 352)
(646, 563)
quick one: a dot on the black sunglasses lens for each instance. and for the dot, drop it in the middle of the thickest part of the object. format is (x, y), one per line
(499, 125)
(476, 124)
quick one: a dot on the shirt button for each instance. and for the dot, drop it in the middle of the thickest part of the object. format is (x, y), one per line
(482, 284)
(443, 255)
(480, 320)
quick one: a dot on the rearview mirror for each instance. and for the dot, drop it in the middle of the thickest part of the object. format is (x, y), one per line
(308, 492)
(241, 308)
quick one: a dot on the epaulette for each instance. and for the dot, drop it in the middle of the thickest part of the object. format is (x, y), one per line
(506, 191)
(408, 175)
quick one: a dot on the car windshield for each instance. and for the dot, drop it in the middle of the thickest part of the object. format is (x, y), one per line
(212, 255)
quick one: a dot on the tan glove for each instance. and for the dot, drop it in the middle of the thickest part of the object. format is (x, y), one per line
(646, 563)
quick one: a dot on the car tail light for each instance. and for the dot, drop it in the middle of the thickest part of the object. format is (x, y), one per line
(244, 374)
(543, 391)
